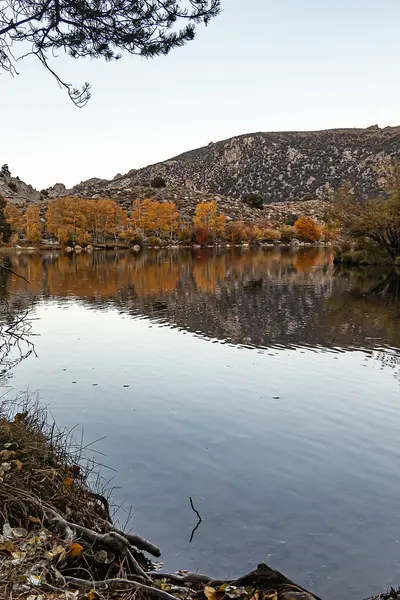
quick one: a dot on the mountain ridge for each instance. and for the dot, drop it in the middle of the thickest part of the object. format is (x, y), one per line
(283, 166)
(278, 167)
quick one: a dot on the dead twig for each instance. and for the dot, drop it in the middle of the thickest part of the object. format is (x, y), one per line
(10, 270)
(199, 519)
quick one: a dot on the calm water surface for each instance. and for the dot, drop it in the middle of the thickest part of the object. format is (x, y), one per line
(263, 384)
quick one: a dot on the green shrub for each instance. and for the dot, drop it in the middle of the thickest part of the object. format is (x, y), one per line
(135, 238)
(158, 182)
(271, 236)
(185, 235)
(288, 233)
(153, 241)
(254, 200)
(291, 219)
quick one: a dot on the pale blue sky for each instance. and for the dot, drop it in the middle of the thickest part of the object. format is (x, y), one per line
(262, 65)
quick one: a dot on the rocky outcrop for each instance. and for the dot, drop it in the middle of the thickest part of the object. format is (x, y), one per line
(15, 190)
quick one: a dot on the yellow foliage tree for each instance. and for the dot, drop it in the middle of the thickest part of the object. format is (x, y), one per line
(67, 220)
(167, 219)
(33, 224)
(207, 218)
(14, 218)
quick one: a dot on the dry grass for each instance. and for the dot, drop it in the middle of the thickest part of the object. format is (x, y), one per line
(42, 467)
(48, 467)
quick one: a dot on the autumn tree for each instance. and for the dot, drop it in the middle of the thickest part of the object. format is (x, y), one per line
(33, 224)
(376, 220)
(104, 219)
(207, 218)
(167, 219)
(67, 220)
(14, 218)
(307, 230)
(5, 228)
(96, 29)
(144, 216)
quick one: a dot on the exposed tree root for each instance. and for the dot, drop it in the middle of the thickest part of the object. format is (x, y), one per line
(136, 540)
(113, 584)
(111, 541)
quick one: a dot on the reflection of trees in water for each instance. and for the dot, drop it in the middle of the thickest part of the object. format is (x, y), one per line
(15, 326)
(263, 299)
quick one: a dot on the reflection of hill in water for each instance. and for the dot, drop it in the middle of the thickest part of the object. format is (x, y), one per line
(260, 299)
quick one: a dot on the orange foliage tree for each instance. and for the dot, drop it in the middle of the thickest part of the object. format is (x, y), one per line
(67, 220)
(14, 218)
(167, 219)
(307, 230)
(104, 219)
(80, 221)
(153, 218)
(33, 224)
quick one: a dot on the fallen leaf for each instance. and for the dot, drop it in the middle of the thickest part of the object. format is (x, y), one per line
(68, 481)
(213, 593)
(101, 556)
(62, 556)
(7, 546)
(17, 464)
(56, 551)
(35, 579)
(19, 417)
(270, 595)
(34, 520)
(4, 468)
(165, 586)
(17, 557)
(7, 454)
(7, 531)
(19, 532)
(92, 595)
(75, 549)
(35, 597)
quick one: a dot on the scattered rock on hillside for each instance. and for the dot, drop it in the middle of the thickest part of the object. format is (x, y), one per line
(282, 166)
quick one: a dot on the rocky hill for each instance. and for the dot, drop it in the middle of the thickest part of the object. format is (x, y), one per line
(282, 166)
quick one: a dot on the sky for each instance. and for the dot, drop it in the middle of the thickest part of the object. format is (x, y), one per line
(262, 65)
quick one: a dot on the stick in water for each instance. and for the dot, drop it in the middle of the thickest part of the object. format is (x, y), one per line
(198, 516)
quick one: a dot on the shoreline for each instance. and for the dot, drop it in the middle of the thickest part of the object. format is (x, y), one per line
(59, 541)
(136, 249)
(58, 538)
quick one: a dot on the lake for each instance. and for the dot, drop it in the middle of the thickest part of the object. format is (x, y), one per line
(263, 384)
